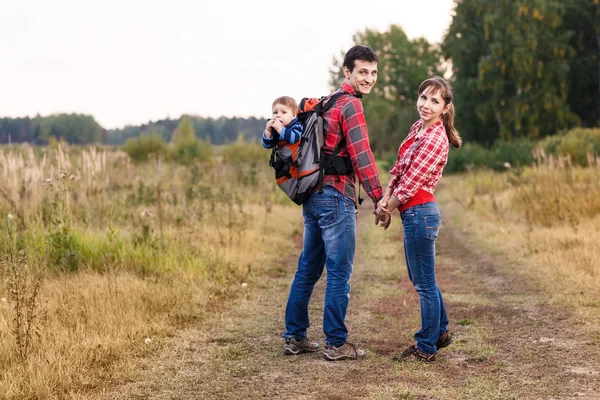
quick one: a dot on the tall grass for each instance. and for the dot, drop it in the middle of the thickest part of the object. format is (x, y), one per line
(546, 217)
(104, 257)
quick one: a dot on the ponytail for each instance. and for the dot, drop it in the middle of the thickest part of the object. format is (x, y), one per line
(453, 135)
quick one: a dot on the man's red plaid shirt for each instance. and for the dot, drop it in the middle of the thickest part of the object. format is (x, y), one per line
(346, 120)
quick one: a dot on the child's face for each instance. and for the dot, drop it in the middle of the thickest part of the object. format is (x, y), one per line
(283, 113)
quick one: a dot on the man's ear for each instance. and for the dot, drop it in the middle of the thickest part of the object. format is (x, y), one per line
(346, 72)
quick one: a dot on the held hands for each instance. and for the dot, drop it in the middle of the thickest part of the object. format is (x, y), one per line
(383, 216)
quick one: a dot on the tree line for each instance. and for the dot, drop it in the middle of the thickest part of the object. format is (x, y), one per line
(83, 129)
(519, 69)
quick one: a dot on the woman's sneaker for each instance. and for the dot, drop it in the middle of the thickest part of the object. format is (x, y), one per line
(295, 346)
(345, 351)
(444, 341)
(412, 353)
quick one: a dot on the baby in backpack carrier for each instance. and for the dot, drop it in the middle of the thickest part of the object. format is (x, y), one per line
(284, 126)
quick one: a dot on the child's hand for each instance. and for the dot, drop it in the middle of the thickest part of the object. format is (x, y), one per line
(269, 129)
(277, 125)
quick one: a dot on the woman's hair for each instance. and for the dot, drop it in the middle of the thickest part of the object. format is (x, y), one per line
(448, 117)
(288, 102)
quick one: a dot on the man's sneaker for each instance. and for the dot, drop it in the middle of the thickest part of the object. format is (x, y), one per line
(412, 353)
(345, 351)
(294, 346)
(444, 341)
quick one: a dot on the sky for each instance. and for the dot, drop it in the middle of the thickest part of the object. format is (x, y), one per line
(128, 62)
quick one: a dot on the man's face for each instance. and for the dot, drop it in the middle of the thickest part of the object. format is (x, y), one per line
(363, 76)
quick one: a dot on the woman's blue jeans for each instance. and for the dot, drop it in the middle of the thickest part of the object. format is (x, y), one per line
(329, 240)
(421, 226)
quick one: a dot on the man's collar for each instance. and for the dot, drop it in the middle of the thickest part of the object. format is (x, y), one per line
(347, 88)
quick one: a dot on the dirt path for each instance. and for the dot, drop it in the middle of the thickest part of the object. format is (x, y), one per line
(511, 343)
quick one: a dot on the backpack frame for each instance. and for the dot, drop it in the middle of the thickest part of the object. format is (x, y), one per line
(301, 166)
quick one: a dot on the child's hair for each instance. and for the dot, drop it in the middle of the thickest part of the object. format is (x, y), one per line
(448, 118)
(288, 102)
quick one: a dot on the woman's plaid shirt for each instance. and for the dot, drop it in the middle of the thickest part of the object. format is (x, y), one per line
(421, 166)
(346, 120)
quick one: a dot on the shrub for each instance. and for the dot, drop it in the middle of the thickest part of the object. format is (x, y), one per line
(243, 151)
(518, 154)
(186, 148)
(576, 143)
(144, 147)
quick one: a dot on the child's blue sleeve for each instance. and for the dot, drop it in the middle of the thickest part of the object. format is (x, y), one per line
(268, 143)
(292, 134)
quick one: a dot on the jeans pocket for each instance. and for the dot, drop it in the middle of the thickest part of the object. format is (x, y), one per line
(432, 226)
(326, 211)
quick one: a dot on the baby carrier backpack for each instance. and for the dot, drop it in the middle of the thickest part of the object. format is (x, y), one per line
(300, 167)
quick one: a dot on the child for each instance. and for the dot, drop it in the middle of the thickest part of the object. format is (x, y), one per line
(284, 126)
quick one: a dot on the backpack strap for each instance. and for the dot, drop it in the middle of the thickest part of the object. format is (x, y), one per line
(320, 108)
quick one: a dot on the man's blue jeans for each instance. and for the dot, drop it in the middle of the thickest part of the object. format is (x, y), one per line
(421, 226)
(329, 239)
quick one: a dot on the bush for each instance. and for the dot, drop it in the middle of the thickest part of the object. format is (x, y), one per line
(186, 148)
(191, 151)
(144, 147)
(518, 154)
(244, 152)
(468, 156)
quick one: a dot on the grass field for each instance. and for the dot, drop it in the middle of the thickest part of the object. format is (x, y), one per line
(105, 260)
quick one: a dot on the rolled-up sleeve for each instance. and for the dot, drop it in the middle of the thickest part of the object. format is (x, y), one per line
(359, 149)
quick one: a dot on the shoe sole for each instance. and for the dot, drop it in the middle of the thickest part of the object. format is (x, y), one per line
(442, 345)
(290, 352)
(342, 357)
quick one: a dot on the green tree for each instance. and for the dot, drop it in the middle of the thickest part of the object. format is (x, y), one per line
(510, 61)
(187, 149)
(582, 20)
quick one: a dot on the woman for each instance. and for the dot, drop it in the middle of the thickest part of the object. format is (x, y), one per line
(421, 159)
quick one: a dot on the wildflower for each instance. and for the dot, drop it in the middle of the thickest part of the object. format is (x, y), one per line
(146, 213)
(147, 340)
(10, 216)
(244, 285)
(507, 165)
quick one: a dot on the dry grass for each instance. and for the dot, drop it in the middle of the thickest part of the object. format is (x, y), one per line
(509, 344)
(548, 216)
(142, 296)
(134, 253)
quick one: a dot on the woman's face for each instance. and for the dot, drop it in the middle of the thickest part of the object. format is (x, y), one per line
(283, 113)
(431, 106)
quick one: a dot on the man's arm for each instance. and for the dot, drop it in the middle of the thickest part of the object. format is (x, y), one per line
(355, 131)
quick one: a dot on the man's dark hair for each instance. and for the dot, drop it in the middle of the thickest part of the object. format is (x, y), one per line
(364, 53)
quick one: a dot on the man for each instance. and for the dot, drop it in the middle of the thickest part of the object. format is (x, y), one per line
(330, 216)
